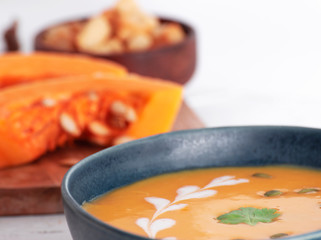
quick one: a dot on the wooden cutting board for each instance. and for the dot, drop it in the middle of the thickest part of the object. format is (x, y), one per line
(35, 188)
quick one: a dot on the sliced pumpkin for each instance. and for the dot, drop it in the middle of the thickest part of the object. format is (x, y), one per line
(39, 117)
(22, 68)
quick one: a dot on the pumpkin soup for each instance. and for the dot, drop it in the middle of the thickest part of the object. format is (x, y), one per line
(217, 203)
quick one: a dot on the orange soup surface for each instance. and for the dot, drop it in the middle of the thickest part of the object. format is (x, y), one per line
(268, 203)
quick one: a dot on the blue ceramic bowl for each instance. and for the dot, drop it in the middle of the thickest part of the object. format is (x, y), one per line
(216, 147)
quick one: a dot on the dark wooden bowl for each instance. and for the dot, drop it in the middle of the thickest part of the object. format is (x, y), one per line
(175, 62)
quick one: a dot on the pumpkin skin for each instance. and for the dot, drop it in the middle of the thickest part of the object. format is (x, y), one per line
(18, 68)
(39, 117)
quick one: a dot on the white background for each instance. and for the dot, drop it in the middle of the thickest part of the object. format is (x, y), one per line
(259, 63)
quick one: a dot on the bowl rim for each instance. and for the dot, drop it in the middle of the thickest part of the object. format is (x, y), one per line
(77, 209)
(189, 30)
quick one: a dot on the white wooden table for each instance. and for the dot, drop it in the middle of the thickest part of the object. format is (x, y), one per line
(259, 64)
(42, 227)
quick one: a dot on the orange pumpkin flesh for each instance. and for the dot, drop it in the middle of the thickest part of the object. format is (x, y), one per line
(39, 117)
(21, 68)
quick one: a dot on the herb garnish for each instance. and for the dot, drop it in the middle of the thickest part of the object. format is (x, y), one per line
(279, 235)
(261, 175)
(308, 190)
(249, 215)
(272, 193)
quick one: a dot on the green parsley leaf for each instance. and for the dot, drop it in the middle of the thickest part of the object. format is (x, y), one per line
(249, 215)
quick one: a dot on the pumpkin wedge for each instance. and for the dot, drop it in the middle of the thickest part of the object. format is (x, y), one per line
(18, 68)
(39, 117)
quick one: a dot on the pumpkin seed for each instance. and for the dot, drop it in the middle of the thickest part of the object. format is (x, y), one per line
(272, 193)
(69, 125)
(121, 139)
(98, 128)
(279, 235)
(261, 175)
(308, 190)
(49, 102)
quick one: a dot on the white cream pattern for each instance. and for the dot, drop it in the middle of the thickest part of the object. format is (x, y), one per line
(153, 226)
